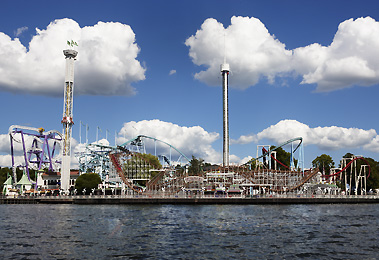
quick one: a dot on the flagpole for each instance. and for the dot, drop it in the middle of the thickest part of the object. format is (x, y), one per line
(87, 133)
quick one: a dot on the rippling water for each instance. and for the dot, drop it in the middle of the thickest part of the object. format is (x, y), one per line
(189, 232)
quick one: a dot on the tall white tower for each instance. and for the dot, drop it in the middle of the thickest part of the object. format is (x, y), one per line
(225, 75)
(67, 118)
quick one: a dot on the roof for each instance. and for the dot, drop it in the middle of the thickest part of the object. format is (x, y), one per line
(9, 181)
(72, 173)
(24, 180)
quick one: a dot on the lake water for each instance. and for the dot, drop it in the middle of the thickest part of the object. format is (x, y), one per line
(189, 232)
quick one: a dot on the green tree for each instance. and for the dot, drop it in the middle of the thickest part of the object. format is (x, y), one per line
(283, 157)
(324, 162)
(196, 166)
(152, 159)
(88, 181)
(373, 180)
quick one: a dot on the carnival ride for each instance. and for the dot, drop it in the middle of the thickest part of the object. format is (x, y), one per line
(38, 149)
(127, 164)
(359, 178)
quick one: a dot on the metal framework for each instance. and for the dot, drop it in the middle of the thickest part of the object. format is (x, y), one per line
(95, 158)
(39, 149)
(352, 179)
(137, 144)
(270, 153)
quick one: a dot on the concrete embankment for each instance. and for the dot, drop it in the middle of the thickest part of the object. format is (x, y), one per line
(99, 200)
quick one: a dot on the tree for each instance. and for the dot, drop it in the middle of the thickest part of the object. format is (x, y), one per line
(373, 180)
(283, 157)
(324, 162)
(196, 166)
(88, 181)
(152, 159)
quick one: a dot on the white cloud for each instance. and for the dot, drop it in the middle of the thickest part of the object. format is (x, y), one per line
(172, 72)
(189, 140)
(351, 59)
(373, 146)
(246, 159)
(4, 143)
(250, 49)
(6, 160)
(20, 30)
(106, 63)
(252, 52)
(326, 138)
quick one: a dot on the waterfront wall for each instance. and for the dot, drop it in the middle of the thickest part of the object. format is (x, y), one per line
(119, 200)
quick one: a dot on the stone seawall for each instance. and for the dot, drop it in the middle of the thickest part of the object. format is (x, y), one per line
(93, 200)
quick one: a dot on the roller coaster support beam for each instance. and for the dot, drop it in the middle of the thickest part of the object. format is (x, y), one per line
(281, 145)
(155, 139)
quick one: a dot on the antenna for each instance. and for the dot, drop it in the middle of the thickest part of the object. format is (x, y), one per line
(224, 47)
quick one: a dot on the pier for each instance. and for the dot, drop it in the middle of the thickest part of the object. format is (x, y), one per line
(182, 200)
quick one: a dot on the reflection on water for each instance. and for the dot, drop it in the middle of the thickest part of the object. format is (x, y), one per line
(189, 232)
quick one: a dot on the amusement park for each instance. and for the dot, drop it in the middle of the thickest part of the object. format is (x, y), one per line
(131, 169)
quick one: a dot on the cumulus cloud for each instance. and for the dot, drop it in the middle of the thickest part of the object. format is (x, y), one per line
(189, 140)
(351, 59)
(326, 138)
(172, 72)
(373, 146)
(6, 160)
(252, 52)
(106, 64)
(250, 49)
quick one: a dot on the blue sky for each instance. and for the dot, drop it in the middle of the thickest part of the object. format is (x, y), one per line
(298, 68)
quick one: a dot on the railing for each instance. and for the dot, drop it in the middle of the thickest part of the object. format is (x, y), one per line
(184, 195)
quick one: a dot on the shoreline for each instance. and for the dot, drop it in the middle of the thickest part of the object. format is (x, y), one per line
(122, 200)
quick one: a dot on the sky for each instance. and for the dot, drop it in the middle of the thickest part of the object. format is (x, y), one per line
(305, 69)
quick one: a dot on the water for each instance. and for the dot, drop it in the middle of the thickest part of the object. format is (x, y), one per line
(189, 232)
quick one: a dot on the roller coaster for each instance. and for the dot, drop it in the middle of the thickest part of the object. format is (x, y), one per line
(126, 164)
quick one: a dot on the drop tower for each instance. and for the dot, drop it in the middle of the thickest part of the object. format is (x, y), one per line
(67, 118)
(225, 74)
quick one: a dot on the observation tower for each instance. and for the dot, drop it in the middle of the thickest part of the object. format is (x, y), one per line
(225, 74)
(67, 118)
